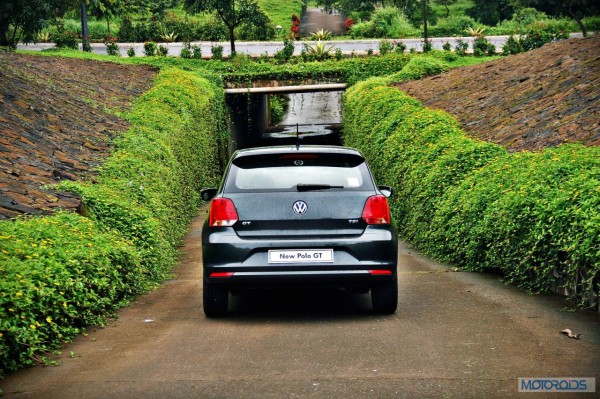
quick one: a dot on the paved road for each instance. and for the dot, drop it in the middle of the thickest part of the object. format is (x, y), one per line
(455, 335)
(258, 48)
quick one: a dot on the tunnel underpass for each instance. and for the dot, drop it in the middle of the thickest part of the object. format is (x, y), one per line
(312, 116)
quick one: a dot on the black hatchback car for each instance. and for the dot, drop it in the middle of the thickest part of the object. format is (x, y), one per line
(303, 216)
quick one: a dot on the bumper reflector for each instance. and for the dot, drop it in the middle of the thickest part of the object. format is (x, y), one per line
(221, 274)
(380, 272)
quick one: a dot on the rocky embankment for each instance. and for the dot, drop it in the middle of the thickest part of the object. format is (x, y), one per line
(57, 119)
(528, 101)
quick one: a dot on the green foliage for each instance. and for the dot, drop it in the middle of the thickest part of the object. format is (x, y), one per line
(217, 52)
(490, 12)
(163, 50)
(461, 47)
(150, 49)
(189, 51)
(451, 26)
(131, 52)
(536, 36)
(592, 23)
(385, 46)
(207, 27)
(481, 47)
(321, 34)
(279, 11)
(399, 47)
(319, 51)
(258, 27)
(512, 45)
(61, 273)
(233, 13)
(535, 217)
(386, 22)
(419, 67)
(66, 39)
(21, 20)
(211, 28)
(286, 53)
(540, 34)
(186, 51)
(112, 48)
(278, 105)
(446, 4)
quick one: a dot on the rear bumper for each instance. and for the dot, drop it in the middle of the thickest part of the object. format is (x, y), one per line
(244, 262)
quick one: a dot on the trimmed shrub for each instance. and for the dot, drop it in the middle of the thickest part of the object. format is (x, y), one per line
(482, 46)
(385, 46)
(286, 53)
(61, 273)
(535, 217)
(420, 66)
(66, 39)
(150, 49)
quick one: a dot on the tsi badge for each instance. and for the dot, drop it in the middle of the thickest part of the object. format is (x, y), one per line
(557, 384)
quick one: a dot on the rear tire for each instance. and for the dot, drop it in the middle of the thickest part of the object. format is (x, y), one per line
(384, 297)
(215, 300)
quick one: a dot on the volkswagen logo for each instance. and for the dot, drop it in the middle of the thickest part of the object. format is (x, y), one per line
(300, 207)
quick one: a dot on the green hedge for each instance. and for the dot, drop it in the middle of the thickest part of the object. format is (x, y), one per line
(535, 217)
(61, 273)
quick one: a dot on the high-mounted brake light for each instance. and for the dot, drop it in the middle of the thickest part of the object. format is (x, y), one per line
(299, 156)
(222, 212)
(376, 210)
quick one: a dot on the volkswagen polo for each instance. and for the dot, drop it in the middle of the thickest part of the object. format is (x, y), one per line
(302, 216)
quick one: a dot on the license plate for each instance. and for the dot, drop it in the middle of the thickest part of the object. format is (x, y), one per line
(300, 255)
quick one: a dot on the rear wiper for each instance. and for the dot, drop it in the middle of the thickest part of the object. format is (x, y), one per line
(310, 187)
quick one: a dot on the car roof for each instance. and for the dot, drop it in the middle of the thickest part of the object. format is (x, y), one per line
(293, 149)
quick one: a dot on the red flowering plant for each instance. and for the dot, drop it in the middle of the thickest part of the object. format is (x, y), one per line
(348, 23)
(295, 28)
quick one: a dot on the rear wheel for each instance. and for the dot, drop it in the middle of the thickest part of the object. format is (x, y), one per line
(215, 300)
(384, 297)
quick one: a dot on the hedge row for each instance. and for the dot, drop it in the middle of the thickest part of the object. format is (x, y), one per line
(535, 217)
(61, 273)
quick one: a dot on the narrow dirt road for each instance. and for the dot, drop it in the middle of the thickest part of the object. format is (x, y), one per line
(455, 335)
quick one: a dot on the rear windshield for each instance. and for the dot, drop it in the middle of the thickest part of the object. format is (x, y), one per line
(299, 172)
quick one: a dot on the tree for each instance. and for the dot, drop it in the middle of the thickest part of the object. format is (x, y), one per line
(233, 13)
(446, 3)
(490, 12)
(155, 7)
(23, 19)
(424, 14)
(107, 9)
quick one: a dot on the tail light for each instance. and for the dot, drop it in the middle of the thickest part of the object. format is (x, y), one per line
(222, 212)
(376, 210)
